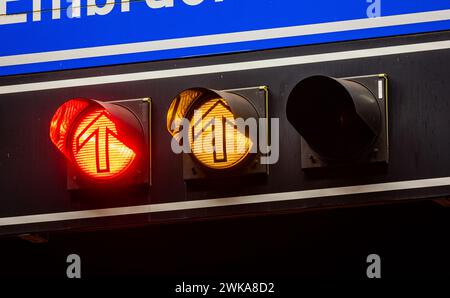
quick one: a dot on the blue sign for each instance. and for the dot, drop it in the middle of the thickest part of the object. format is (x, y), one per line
(44, 35)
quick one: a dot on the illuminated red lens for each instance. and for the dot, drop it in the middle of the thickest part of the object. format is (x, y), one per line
(62, 119)
(96, 146)
(88, 133)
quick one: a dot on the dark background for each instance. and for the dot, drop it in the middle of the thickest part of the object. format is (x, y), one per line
(410, 238)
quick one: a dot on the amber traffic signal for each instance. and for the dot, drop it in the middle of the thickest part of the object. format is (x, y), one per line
(217, 147)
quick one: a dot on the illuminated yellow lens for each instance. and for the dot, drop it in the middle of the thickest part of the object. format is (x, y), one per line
(179, 108)
(214, 138)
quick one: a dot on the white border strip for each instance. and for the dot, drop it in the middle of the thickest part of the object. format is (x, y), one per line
(228, 67)
(217, 39)
(222, 202)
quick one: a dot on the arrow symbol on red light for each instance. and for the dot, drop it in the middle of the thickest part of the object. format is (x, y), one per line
(99, 130)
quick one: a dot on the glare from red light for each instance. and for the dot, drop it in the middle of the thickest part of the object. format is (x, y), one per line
(62, 120)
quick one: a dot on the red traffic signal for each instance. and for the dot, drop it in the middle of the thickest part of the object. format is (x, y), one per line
(104, 142)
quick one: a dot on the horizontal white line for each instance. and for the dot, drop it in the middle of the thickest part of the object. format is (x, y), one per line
(230, 201)
(216, 39)
(227, 67)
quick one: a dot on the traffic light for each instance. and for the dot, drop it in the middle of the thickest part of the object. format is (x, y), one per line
(218, 131)
(105, 143)
(342, 122)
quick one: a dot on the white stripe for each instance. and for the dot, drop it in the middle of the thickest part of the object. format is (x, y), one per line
(228, 67)
(222, 202)
(380, 89)
(216, 39)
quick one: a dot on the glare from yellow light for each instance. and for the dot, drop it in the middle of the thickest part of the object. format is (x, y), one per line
(179, 108)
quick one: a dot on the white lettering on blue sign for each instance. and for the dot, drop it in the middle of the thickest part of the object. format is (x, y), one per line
(10, 19)
(74, 10)
(108, 32)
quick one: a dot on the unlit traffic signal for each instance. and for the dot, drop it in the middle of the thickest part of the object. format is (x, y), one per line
(341, 121)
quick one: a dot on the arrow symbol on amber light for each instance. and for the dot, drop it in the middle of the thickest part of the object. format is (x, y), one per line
(218, 130)
(100, 129)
